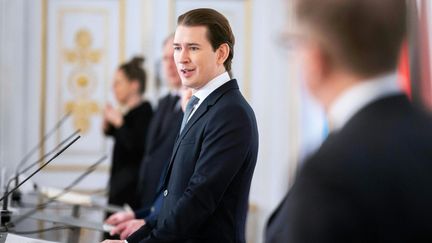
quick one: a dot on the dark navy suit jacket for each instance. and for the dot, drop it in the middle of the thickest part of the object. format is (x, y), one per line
(207, 183)
(369, 182)
(162, 133)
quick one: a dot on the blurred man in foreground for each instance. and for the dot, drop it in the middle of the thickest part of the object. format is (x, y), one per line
(370, 180)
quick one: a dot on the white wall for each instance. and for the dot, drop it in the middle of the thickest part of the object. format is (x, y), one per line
(12, 85)
(270, 99)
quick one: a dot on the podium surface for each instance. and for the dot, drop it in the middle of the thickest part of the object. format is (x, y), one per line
(12, 238)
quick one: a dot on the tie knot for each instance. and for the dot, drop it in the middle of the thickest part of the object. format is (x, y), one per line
(192, 102)
(189, 108)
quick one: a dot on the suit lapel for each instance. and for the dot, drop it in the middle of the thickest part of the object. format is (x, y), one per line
(155, 130)
(202, 109)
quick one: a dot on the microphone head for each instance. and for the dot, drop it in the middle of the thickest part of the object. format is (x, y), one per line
(16, 197)
(5, 217)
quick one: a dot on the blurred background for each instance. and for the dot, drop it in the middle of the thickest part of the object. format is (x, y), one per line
(59, 56)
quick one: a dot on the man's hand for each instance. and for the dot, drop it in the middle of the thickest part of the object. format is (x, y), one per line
(127, 228)
(120, 217)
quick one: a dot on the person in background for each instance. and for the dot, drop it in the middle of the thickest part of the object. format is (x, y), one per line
(370, 180)
(128, 127)
(163, 130)
(128, 222)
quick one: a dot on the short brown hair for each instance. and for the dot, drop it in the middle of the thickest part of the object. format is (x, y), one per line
(363, 36)
(218, 29)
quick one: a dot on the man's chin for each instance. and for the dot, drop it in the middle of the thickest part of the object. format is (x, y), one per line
(187, 83)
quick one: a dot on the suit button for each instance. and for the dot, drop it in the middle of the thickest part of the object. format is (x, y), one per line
(165, 192)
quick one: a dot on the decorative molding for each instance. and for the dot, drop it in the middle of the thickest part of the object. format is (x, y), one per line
(172, 15)
(248, 50)
(43, 80)
(75, 168)
(122, 30)
(66, 60)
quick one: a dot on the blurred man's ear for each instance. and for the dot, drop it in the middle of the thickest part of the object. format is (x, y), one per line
(316, 69)
(314, 63)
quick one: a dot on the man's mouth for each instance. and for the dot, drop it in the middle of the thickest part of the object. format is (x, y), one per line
(187, 71)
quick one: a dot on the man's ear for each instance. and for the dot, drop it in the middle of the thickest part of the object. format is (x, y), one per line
(222, 53)
(318, 63)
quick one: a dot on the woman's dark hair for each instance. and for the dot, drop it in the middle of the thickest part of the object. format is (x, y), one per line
(134, 71)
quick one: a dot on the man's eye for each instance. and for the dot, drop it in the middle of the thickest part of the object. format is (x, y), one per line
(177, 48)
(194, 48)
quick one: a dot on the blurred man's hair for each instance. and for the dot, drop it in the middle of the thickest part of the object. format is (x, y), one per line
(363, 36)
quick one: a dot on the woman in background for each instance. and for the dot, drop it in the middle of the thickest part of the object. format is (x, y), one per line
(128, 126)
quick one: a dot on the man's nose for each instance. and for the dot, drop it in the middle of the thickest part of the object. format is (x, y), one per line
(184, 56)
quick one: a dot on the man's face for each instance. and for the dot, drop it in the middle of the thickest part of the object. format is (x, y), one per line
(169, 67)
(196, 61)
(309, 58)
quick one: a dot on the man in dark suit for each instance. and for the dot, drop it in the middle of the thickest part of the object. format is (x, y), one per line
(162, 133)
(206, 186)
(163, 130)
(370, 180)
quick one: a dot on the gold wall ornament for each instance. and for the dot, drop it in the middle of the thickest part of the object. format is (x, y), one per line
(82, 80)
(82, 54)
(82, 109)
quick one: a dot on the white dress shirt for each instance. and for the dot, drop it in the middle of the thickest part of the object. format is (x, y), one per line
(207, 89)
(359, 96)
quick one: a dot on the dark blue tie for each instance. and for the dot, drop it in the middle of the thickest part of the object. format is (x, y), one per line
(189, 108)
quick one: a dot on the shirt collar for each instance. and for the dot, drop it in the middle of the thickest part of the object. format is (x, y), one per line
(211, 86)
(360, 95)
(174, 92)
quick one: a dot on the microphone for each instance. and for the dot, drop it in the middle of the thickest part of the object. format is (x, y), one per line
(18, 173)
(6, 214)
(44, 138)
(50, 152)
(16, 196)
(89, 170)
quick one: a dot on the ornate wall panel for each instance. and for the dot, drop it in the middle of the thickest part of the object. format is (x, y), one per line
(84, 43)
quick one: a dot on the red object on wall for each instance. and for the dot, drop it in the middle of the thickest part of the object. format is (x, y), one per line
(404, 70)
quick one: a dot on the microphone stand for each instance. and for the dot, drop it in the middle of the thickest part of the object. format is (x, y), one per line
(16, 196)
(18, 173)
(65, 190)
(5, 213)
